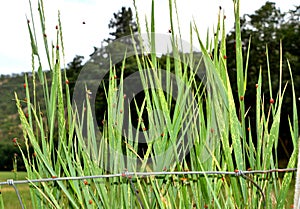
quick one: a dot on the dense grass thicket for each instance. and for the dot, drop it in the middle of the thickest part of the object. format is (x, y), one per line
(203, 130)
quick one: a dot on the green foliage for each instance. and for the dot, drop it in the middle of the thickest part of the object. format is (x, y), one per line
(262, 34)
(65, 142)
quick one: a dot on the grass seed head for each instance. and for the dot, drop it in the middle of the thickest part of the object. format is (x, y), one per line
(14, 140)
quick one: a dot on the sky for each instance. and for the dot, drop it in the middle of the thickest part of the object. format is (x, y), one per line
(79, 38)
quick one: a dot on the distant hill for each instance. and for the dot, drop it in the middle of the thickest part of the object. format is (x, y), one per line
(9, 120)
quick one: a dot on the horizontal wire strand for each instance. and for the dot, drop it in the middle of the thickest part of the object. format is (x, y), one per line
(144, 174)
(129, 175)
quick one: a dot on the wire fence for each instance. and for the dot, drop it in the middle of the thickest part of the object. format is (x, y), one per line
(130, 175)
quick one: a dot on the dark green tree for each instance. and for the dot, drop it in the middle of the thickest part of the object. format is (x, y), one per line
(122, 24)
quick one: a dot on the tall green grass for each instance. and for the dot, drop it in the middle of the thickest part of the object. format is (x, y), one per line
(205, 120)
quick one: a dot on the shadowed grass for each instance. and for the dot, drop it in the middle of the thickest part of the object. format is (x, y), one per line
(205, 122)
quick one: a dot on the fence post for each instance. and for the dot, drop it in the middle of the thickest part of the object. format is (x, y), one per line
(297, 185)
